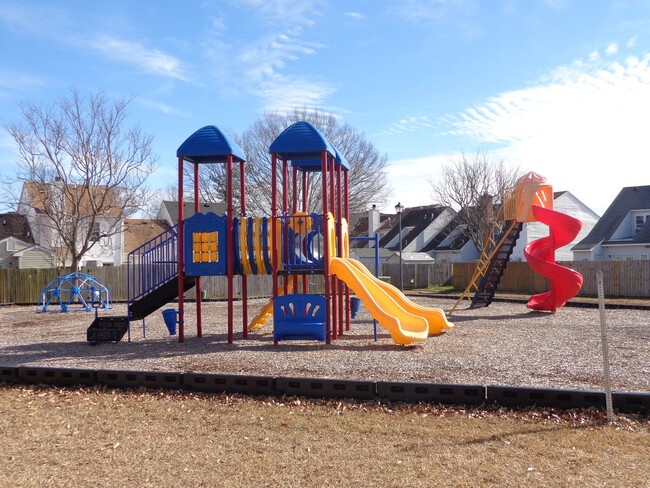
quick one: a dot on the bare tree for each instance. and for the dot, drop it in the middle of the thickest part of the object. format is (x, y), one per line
(81, 171)
(471, 185)
(367, 176)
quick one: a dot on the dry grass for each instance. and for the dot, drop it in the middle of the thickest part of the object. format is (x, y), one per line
(58, 437)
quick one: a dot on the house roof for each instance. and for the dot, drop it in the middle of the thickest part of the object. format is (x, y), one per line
(188, 209)
(457, 243)
(139, 231)
(13, 224)
(78, 198)
(31, 249)
(418, 218)
(628, 199)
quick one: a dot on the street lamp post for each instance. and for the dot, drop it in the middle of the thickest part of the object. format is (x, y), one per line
(398, 209)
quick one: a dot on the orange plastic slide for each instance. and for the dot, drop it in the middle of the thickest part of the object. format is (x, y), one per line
(540, 254)
(262, 318)
(405, 323)
(435, 317)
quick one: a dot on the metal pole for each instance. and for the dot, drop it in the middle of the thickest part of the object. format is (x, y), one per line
(401, 280)
(605, 347)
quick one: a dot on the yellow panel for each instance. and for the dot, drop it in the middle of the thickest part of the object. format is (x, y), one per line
(196, 237)
(196, 247)
(205, 247)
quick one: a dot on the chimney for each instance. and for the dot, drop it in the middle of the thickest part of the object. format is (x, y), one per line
(373, 220)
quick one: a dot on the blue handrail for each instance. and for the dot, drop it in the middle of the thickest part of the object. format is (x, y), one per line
(152, 264)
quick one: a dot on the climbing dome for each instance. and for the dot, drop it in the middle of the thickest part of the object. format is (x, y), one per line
(76, 288)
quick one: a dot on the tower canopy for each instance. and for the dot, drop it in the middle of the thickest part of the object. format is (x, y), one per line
(303, 144)
(209, 145)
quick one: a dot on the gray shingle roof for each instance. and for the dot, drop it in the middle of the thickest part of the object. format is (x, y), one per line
(629, 198)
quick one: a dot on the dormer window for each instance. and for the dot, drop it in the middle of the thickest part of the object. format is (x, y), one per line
(639, 222)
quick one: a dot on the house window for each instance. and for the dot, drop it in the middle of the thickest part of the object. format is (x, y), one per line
(96, 232)
(640, 220)
(11, 245)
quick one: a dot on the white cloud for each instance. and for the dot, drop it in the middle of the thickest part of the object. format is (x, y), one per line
(410, 123)
(148, 60)
(284, 11)
(284, 93)
(612, 48)
(409, 179)
(583, 127)
(355, 15)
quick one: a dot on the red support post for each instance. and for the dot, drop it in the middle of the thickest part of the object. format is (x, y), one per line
(339, 227)
(326, 244)
(346, 212)
(244, 278)
(335, 288)
(180, 258)
(274, 219)
(229, 246)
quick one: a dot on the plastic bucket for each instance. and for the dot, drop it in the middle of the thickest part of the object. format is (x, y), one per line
(355, 305)
(169, 315)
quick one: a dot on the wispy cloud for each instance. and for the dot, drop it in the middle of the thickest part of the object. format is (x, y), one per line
(355, 15)
(408, 124)
(146, 59)
(587, 115)
(11, 81)
(284, 93)
(161, 107)
(262, 66)
(57, 25)
(291, 11)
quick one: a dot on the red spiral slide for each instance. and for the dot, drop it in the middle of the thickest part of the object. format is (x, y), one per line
(540, 254)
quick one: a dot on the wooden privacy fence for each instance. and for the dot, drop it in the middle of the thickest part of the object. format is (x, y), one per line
(621, 278)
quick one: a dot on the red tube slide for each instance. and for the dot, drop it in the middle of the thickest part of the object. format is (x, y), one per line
(540, 254)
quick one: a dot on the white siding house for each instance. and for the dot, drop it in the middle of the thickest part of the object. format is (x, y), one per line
(566, 203)
(623, 232)
(35, 197)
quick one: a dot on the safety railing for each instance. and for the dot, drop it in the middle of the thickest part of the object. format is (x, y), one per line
(152, 264)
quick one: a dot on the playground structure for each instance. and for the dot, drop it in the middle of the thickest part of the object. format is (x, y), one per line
(75, 288)
(291, 245)
(531, 200)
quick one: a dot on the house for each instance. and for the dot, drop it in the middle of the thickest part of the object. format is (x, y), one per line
(139, 231)
(438, 232)
(169, 210)
(40, 202)
(424, 230)
(17, 247)
(566, 203)
(623, 232)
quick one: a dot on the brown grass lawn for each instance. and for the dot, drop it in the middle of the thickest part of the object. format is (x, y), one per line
(100, 437)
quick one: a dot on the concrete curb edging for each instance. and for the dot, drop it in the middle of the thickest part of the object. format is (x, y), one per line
(407, 392)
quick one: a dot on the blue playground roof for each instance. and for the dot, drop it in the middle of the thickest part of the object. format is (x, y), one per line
(209, 145)
(303, 144)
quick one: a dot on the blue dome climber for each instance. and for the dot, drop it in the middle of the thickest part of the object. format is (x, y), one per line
(86, 290)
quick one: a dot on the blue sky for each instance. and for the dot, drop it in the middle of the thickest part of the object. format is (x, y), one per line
(560, 87)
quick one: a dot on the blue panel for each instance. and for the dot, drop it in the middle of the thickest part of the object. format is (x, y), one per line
(251, 247)
(209, 222)
(237, 266)
(299, 317)
(209, 145)
(301, 141)
(266, 245)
